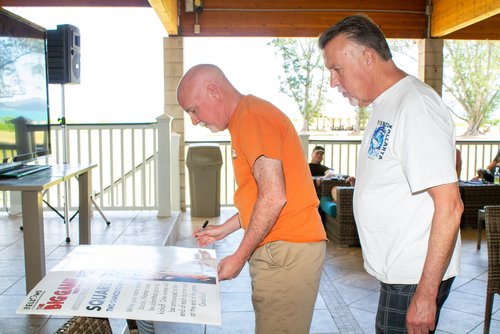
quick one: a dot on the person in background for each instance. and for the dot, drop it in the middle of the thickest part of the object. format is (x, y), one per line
(315, 166)
(406, 202)
(318, 172)
(284, 240)
(494, 163)
(487, 174)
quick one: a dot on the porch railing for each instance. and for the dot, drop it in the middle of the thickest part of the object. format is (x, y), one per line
(126, 158)
(342, 154)
(125, 177)
(126, 154)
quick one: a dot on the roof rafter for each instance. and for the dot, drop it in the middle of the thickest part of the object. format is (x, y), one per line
(449, 16)
(167, 12)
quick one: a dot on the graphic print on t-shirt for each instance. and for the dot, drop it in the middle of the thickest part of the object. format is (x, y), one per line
(379, 140)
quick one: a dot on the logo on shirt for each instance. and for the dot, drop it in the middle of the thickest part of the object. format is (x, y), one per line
(379, 140)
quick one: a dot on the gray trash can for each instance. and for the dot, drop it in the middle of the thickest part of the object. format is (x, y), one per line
(204, 162)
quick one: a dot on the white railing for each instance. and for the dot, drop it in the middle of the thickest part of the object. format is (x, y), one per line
(125, 177)
(127, 163)
(342, 155)
(126, 158)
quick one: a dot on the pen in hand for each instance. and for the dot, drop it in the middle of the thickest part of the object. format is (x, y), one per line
(202, 227)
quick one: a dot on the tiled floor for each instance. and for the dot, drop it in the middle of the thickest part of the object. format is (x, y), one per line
(346, 302)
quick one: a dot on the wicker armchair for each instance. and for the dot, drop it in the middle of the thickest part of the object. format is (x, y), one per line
(492, 215)
(85, 325)
(475, 196)
(89, 325)
(328, 184)
(342, 228)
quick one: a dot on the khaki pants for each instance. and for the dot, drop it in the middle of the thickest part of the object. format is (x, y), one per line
(285, 281)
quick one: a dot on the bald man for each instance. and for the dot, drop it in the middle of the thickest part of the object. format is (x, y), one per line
(284, 239)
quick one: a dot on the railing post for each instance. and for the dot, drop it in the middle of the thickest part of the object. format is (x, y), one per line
(164, 167)
(304, 140)
(175, 192)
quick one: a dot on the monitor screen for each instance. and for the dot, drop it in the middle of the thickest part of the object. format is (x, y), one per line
(24, 112)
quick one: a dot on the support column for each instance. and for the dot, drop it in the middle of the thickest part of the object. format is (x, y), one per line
(173, 54)
(430, 63)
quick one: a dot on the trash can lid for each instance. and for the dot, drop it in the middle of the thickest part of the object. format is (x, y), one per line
(204, 154)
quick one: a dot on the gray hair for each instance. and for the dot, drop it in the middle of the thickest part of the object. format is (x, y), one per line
(361, 30)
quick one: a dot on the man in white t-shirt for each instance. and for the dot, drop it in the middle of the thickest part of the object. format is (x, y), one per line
(407, 204)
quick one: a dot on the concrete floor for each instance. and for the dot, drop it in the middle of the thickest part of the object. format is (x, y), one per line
(346, 303)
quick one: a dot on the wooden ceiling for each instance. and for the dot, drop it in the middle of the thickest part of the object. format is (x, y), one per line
(448, 19)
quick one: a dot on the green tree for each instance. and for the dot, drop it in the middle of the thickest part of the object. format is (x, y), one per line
(306, 79)
(362, 115)
(472, 77)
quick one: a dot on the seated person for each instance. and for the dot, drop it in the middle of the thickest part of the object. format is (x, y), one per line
(317, 169)
(486, 174)
(494, 163)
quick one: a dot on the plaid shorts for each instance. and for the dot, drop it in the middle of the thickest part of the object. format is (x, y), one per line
(394, 301)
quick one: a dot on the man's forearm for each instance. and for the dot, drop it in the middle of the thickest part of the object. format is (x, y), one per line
(271, 199)
(443, 236)
(262, 220)
(232, 224)
(448, 207)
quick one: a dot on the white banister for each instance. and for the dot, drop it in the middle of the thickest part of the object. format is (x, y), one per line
(164, 165)
(175, 172)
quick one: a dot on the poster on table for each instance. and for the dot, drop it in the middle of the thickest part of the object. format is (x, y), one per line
(131, 282)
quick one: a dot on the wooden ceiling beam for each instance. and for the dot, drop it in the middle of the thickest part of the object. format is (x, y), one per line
(301, 18)
(451, 19)
(74, 3)
(293, 24)
(449, 16)
(168, 14)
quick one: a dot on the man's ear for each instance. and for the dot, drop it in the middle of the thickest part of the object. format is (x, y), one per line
(213, 91)
(369, 57)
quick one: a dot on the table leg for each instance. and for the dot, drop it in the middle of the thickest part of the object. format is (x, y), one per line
(34, 245)
(84, 183)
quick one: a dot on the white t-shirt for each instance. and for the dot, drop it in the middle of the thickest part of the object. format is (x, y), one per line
(408, 147)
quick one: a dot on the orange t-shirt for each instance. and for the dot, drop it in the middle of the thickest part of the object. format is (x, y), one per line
(257, 129)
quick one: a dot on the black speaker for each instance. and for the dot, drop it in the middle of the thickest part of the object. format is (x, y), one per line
(63, 50)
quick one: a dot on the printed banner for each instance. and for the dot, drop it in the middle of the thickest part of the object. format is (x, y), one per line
(131, 282)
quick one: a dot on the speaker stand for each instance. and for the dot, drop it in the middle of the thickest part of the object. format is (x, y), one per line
(65, 145)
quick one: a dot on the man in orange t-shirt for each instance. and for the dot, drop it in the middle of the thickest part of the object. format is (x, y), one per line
(284, 239)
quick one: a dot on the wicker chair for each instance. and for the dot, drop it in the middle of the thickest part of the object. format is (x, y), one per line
(89, 325)
(85, 325)
(328, 184)
(475, 196)
(342, 228)
(492, 214)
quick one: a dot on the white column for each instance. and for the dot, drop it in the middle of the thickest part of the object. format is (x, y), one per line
(430, 63)
(164, 167)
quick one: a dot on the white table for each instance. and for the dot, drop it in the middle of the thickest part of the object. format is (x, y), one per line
(32, 188)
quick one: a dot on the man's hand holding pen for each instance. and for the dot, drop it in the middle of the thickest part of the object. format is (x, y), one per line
(204, 226)
(206, 235)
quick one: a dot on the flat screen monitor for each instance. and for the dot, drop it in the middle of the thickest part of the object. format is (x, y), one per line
(24, 107)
